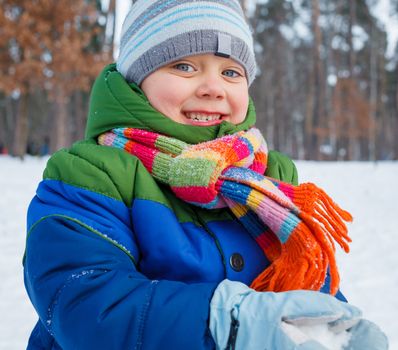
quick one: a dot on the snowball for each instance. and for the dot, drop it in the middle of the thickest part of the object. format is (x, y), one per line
(320, 333)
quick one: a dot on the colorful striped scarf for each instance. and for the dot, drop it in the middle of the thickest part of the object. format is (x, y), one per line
(296, 226)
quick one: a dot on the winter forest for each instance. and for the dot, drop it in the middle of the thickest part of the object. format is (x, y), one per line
(326, 87)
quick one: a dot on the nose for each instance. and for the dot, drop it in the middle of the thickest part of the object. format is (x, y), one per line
(211, 88)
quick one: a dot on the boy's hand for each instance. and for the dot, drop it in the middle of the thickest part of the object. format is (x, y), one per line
(260, 318)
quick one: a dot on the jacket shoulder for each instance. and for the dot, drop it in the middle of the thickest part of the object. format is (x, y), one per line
(104, 170)
(281, 167)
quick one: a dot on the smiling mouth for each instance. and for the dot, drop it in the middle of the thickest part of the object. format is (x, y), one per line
(203, 117)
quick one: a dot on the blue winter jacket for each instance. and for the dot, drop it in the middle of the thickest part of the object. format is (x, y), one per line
(113, 259)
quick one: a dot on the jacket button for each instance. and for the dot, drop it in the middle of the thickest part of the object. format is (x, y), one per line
(236, 261)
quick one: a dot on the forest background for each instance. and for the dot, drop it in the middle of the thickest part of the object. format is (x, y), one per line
(326, 88)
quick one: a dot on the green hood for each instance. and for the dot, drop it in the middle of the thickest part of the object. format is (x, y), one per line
(115, 103)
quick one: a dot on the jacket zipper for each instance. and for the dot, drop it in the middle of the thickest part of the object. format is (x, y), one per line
(233, 333)
(206, 228)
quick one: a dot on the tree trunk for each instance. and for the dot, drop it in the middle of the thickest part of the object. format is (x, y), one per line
(318, 90)
(20, 141)
(395, 120)
(352, 142)
(61, 131)
(3, 124)
(81, 115)
(110, 26)
(373, 96)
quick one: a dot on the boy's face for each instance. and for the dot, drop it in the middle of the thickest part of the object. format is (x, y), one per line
(199, 90)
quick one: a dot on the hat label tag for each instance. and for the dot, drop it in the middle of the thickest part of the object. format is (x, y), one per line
(224, 45)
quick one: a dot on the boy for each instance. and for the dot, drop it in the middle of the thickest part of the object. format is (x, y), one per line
(139, 240)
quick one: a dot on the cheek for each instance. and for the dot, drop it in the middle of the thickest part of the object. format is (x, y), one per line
(241, 103)
(166, 101)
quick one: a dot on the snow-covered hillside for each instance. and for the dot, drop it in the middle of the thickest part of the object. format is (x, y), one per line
(369, 272)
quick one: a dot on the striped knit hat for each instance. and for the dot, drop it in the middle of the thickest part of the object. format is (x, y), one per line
(157, 32)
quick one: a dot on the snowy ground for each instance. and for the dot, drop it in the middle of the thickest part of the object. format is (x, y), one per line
(369, 272)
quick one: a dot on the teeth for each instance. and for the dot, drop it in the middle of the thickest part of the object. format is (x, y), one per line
(202, 117)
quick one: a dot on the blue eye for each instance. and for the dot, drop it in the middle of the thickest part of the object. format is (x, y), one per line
(185, 67)
(231, 73)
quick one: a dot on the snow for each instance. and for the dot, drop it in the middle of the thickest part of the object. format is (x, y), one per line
(369, 273)
(369, 277)
(321, 333)
(18, 181)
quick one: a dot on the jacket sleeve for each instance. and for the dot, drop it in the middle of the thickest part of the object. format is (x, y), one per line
(88, 292)
(281, 167)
